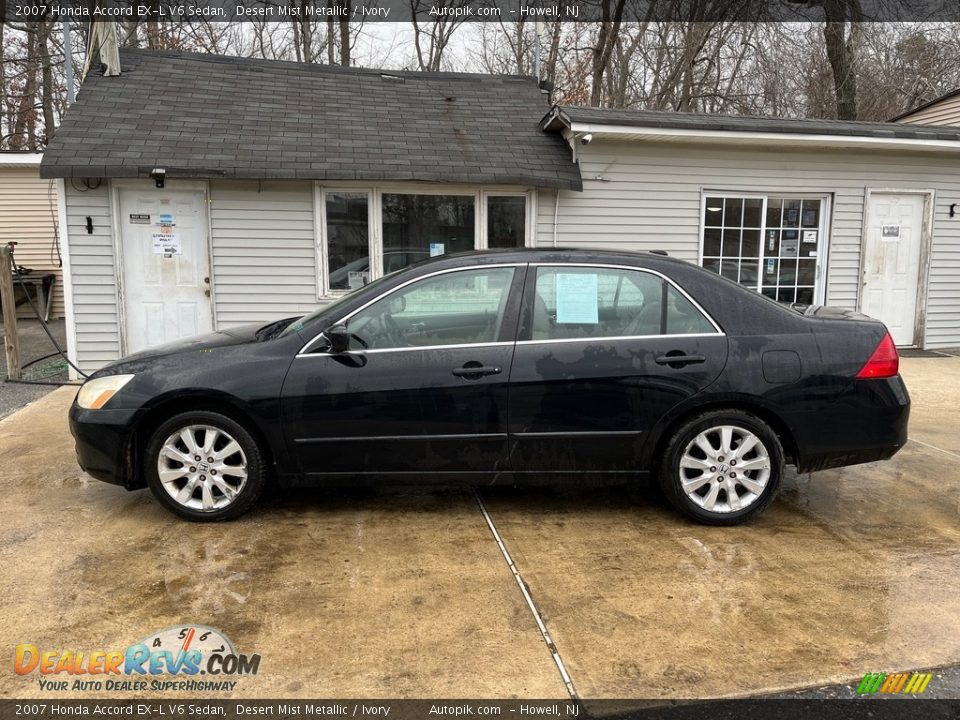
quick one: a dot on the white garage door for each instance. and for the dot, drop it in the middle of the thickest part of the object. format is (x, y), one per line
(891, 262)
(166, 267)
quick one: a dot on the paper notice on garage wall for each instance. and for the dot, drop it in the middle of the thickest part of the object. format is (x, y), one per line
(577, 298)
(167, 244)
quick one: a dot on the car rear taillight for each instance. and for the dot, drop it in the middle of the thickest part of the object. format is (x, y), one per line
(884, 363)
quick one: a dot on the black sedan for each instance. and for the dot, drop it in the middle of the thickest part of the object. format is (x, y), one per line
(506, 367)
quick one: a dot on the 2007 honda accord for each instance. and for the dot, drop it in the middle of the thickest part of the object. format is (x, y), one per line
(506, 367)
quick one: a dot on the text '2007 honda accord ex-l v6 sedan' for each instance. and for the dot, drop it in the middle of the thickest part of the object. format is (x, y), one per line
(506, 367)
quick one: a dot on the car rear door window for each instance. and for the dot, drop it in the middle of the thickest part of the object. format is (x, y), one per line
(455, 308)
(592, 302)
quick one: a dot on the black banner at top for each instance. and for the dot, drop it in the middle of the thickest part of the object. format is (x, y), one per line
(482, 10)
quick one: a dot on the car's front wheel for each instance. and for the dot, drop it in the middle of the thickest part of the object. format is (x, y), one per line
(722, 467)
(204, 466)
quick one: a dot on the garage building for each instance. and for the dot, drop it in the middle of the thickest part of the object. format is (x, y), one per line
(858, 215)
(201, 192)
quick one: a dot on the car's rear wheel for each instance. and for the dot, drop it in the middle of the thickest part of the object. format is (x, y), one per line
(204, 466)
(722, 468)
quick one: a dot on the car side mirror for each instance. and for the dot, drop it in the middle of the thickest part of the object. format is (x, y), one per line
(339, 338)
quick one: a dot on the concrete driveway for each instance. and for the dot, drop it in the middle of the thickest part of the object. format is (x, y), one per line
(409, 593)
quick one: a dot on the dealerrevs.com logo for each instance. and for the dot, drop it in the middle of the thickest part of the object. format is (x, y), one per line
(180, 654)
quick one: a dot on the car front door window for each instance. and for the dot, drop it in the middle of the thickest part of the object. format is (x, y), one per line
(456, 308)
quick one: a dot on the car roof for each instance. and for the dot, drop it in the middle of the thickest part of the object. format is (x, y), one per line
(552, 255)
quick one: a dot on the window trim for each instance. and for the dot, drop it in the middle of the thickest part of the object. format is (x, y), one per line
(306, 350)
(375, 193)
(532, 288)
(824, 229)
(483, 239)
(321, 239)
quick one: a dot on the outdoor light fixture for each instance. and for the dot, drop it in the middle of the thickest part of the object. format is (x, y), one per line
(159, 175)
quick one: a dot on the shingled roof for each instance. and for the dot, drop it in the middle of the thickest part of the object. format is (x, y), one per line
(565, 115)
(212, 116)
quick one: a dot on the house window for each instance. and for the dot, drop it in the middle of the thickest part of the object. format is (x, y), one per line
(416, 227)
(506, 221)
(769, 243)
(363, 233)
(348, 239)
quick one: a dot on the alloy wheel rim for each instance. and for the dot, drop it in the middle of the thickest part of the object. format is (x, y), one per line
(725, 469)
(202, 468)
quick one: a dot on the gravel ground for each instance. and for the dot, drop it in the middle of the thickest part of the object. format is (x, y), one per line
(34, 344)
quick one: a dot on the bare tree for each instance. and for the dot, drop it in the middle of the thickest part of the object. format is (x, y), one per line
(781, 69)
(841, 30)
(611, 14)
(431, 39)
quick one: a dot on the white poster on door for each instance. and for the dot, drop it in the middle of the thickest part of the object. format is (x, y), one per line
(167, 244)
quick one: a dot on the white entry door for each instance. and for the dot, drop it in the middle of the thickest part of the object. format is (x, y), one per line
(166, 266)
(891, 262)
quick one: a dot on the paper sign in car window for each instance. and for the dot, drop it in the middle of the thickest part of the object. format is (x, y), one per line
(577, 298)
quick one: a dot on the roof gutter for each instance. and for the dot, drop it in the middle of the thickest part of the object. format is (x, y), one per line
(772, 138)
(20, 159)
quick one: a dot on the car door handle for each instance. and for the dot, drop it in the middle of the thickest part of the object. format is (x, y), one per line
(475, 371)
(676, 359)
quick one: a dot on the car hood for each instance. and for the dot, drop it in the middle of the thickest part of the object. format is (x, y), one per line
(241, 335)
(234, 336)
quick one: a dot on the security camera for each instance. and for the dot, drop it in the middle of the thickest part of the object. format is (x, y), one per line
(585, 139)
(158, 175)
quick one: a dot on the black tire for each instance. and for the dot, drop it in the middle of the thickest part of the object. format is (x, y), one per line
(252, 454)
(669, 471)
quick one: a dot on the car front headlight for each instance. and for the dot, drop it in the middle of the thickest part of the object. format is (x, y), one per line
(95, 393)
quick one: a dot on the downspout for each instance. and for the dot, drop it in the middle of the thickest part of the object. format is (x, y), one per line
(556, 212)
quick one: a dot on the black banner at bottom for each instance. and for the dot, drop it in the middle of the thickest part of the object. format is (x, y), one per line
(196, 709)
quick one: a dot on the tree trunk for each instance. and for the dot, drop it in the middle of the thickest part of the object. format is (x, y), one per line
(49, 122)
(842, 52)
(841, 57)
(606, 39)
(345, 37)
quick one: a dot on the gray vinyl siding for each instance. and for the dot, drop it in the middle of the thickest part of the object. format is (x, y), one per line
(28, 206)
(93, 275)
(945, 112)
(648, 196)
(264, 256)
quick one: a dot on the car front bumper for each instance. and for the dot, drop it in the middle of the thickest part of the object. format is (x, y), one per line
(103, 443)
